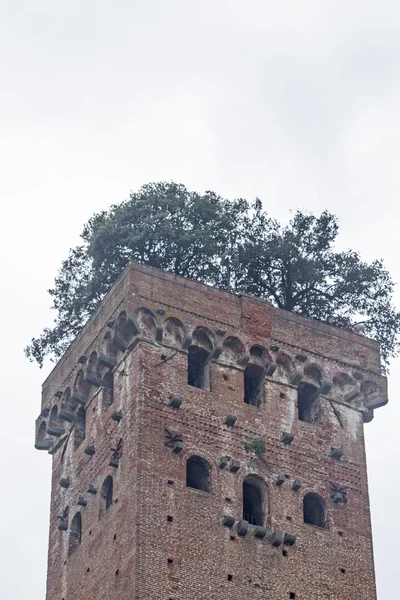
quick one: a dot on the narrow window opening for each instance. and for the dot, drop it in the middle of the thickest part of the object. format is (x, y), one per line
(292, 595)
(288, 518)
(307, 402)
(108, 390)
(253, 385)
(198, 368)
(314, 510)
(80, 427)
(170, 482)
(230, 577)
(343, 571)
(284, 553)
(117, 573)
(106, 495)
(170, 519)
(170, 561)
(197, 474)
(75, 533)
(340, 533)
(233, 538)
(252, 504)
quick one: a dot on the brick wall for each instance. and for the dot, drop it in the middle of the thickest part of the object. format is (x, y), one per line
(127, 553)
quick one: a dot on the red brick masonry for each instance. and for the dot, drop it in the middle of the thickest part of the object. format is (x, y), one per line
(132, 549)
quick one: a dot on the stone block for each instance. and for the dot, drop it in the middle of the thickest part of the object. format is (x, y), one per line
(242, 527)
(289, 539)
(223, 461)
(325, 387)
(107, 361)
(44, 445)
(178, 447)
(116, 416)
(230, 420)
(187, 341)
(243, 360)
(234, 466)
(270, 369)
(260, 532)
(228, 521)
(55, 431)
(174, 402)
(287, 438)
(296, 377)
(277, 538)
(93, 380)
(66, 415)
(351, 395)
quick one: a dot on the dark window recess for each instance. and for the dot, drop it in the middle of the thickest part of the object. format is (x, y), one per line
(230, 577)
(170, 519)
(75, 533)
(170, 561)
(314, 510)
(80, 427)
(284, 553)
(292, 595)
(252, 504)
(106, 495)
(253, 384)
(197, 474)
(170, 482)
(198, 368)
(307, 402)
(108, 390)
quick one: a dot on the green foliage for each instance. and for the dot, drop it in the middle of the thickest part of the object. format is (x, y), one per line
(164, 225)
(257, 446)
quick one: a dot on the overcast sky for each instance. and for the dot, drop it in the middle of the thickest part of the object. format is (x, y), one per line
(295, 102)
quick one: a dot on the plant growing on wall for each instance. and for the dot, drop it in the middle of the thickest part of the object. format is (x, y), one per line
(257, 446)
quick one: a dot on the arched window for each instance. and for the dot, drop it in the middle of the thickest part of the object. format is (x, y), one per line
(254, 494)
(314, 510)
(198, 474)
(253, 384)
(75, 533)
(198, 368)
(106, 495)
(307, 402)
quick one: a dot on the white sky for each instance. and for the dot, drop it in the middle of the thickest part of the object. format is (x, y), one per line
(295, 102)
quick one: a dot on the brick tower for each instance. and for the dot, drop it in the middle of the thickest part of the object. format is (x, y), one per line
(208, 446)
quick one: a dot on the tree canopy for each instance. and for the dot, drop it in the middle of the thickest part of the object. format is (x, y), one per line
(229, 244)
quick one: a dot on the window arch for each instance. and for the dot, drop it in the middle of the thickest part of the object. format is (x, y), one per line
(314, 510)
(106, 495)
(308, 402)
(75, 533)
(198, 474)
(199, 368)
(253, 384)
(254, 496)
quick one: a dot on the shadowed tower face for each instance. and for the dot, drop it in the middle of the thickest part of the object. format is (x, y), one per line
(207, 445)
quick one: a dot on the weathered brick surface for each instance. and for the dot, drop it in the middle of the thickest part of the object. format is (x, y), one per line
(124, 554)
